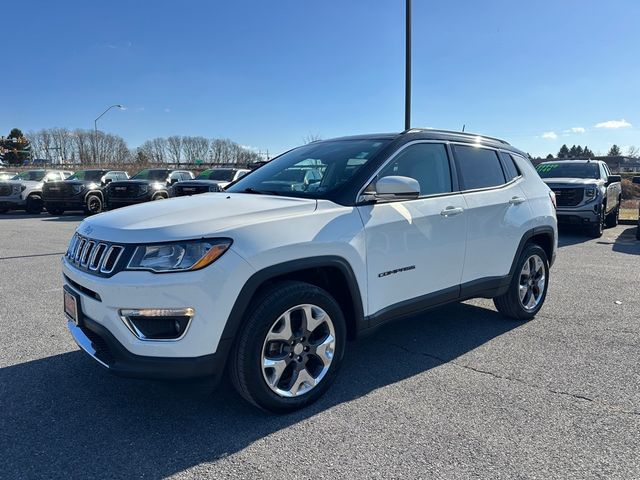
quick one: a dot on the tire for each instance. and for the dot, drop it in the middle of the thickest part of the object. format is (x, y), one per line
(596, 230)
(612, 218)
(93, 205)
(160, 196)
(55, 211)
(511, 304)
(34, 205)
(283, 391)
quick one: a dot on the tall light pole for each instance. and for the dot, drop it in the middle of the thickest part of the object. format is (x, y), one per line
(95, 131)
(407, 66)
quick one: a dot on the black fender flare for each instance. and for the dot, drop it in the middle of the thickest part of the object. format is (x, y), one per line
(528, 235)
(258, 279)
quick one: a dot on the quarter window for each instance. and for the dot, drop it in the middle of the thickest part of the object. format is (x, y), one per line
(478, 167)
(427, 163)
(510, 168)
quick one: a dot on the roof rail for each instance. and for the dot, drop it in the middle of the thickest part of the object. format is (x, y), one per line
(462, 134)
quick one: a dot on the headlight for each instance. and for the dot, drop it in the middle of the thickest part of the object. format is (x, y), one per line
(77, 189)
(178, 256)
(157, 185)
(590, 192)
(17, 189)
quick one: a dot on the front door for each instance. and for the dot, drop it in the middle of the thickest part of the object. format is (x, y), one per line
(415, 248)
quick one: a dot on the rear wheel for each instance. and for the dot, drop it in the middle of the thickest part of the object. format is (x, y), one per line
(290, 348)
(528, 287)
(93, 205)
(34, 204)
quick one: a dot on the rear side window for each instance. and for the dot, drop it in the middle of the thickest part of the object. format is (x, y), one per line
(478, 167)
(510, 168)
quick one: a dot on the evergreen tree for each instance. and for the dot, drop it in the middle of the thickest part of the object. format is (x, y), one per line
(579, 152)
(563, 152)
(572, 152)
(550, 157)
(16, 148)
(614, 151)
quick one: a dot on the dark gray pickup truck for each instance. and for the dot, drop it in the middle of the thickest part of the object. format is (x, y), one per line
(587, 194)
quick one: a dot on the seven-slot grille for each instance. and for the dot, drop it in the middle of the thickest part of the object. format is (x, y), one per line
(94, 256)
(568, 197)
(5, 189)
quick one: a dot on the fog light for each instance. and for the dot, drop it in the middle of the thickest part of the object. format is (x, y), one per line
(158, 323)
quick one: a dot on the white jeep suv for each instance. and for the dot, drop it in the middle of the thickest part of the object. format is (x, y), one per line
(269, 279)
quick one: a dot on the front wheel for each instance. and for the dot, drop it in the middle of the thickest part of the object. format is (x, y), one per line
(597, 228)
(528, 287)
(290, 348)
(613, 217)
(93, 205)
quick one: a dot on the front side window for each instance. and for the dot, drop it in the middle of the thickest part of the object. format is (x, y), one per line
(32, 175)
(478, 167)
(315, 170)
(90, 175)
(222, 174)
(427, 163)
(568, 170)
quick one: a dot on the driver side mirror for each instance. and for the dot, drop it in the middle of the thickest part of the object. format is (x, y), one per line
(107, 181)
(614, 179)
(396, 188)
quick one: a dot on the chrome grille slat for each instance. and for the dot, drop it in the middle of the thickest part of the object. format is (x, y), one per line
(94, 256)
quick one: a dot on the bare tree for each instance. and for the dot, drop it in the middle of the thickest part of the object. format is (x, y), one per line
(155, 150)
(311, 137)
(195, 148)
(174, 148)
(632, 152)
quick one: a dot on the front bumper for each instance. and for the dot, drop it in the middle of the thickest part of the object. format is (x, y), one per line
(125, 202)
(578, 216)
(105, 349)
(65, 203)
(13, 203)
(211, 292)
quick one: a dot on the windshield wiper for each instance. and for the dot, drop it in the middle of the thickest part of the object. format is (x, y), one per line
(260, 192)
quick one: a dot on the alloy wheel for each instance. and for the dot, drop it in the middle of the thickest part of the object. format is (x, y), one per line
(532, 282)
(298, 350)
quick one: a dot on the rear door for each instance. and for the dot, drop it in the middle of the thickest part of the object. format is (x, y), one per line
(415, 248)
(497, 212)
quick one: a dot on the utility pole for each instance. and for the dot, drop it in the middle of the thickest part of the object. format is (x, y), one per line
(407, 73)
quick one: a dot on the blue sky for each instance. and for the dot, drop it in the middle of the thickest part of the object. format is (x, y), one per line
(268, 73)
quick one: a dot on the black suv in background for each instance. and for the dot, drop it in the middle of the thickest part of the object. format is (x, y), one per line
(211, 180)
(148, 184)
(81, 191)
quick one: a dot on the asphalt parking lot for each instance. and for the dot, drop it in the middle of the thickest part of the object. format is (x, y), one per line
(458, 393)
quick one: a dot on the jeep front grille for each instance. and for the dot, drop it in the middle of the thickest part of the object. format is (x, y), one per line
(94, 256)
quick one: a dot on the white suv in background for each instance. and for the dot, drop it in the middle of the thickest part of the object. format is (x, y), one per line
(269, 279)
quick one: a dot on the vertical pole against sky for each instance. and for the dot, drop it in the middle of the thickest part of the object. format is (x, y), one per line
(407, 73)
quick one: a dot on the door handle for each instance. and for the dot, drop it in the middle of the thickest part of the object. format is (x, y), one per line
(451, 211)
(517, 200)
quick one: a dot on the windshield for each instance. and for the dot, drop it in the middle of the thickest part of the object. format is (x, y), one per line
(90, 175)
(224, 174)
(32, 175)
(8, 176)
(151, 174)
(568, 170)
(312, 171)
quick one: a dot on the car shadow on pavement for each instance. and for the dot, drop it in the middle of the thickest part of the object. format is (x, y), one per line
(64, 417)
(627, 242)
(569, 235)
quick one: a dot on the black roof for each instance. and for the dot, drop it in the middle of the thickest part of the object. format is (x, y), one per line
(433, 134)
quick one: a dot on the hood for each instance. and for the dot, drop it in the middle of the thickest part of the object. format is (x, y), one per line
(71, 182)
(571, 182)
(185, 218)
(135, 182)
(200, 182)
